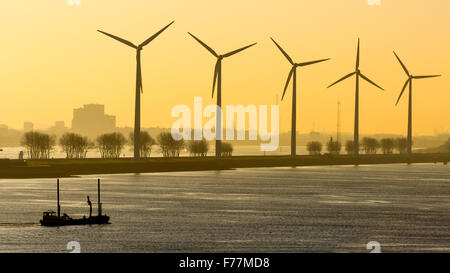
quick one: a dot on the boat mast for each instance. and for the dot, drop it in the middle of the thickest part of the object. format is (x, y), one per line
(99, 203)
(58, 206)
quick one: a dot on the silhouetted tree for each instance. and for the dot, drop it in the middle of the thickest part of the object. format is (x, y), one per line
(370, 145)
(38, 145)
(198, 147)
(47, 145)
(349, 147)
(447, 145)
(169, 146)
(111, 145)
(146, 141)
(314, 147)
(31, 143)
(401, 145)
(387, 145)
(334, 147)
(226, 149)
(74, 145)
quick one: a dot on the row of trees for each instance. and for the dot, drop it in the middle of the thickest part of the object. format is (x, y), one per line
(200, 148)
(368, 145)
(40, 146)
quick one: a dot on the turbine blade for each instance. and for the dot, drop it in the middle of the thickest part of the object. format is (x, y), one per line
(287, 82)
(426, 77)
(357, 57)
(403, 65)
(204, 45)
(238, 50)
(284, 52)
(128, 43)
(146, 42)
(313, 62)
(367, 79)
(403, 90)
(216, 74)
(343, 78)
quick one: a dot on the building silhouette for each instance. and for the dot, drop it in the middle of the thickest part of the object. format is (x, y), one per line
(58, 129)
(28, 126)
(91, 121)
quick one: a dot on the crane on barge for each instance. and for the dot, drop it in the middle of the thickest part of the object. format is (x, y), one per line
(51, 218)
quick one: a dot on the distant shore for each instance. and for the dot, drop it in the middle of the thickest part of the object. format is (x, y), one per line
(53, 168)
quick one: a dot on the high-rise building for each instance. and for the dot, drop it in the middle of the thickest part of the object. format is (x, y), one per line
(91, 121)
(58, 129)
(28, 126)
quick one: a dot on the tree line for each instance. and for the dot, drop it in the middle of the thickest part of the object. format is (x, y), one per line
(40, 146)
(368, 145)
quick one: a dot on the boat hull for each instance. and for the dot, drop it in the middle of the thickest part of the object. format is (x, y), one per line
(94, 220)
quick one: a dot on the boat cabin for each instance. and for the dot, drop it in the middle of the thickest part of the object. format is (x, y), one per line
(49, 214)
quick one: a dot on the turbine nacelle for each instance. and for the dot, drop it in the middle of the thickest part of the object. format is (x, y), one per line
(220, 57)
(410, 78)
(294, 66)
(357, 72)
(130, 44)
(138, 48)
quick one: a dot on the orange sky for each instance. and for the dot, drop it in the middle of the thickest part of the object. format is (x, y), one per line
(53, 60)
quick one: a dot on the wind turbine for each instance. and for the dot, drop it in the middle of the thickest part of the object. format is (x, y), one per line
(409, 81)
(218, 79)
(293, 74)
(139, 88)
(358, 74)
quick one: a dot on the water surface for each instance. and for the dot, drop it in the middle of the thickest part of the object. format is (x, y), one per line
(308, 209)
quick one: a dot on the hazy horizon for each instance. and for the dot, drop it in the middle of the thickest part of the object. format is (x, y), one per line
(323, 132)
(53, 60)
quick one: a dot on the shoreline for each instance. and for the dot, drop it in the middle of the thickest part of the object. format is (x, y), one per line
(54, 168)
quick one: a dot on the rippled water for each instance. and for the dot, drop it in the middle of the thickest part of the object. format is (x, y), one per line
(314, 209)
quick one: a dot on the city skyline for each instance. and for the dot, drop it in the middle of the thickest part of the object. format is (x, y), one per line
(88, 70)
(50, 124)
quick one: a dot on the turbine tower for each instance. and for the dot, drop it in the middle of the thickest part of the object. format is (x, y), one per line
(358, 74)
(293, 74)
(218, 80)
(338, 130)
(409, 82)
(139, 88)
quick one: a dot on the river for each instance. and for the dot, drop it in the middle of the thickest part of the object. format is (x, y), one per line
(309, 209)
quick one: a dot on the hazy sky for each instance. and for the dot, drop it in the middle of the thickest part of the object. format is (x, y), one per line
(53, 60)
